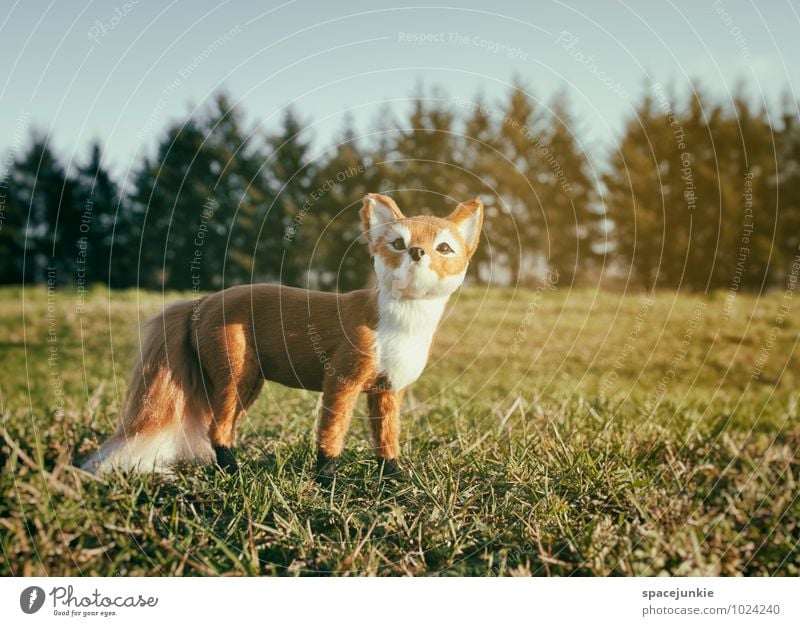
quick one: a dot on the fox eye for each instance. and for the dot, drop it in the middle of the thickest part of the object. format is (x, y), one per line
(444, 248)
(399, 244)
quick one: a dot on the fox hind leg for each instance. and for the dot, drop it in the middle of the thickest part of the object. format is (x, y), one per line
(235, 383)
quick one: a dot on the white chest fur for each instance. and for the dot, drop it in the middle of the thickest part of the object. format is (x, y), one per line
(403, 337)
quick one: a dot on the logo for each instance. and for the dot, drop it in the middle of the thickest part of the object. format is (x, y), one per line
(31, 599)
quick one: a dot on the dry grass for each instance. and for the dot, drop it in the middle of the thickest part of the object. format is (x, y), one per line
(554, 432)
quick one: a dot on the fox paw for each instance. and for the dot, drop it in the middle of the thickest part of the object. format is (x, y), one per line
(326, 469)
(225, 459)
(389, 469)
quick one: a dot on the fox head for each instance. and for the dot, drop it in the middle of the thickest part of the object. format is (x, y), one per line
(424, 256)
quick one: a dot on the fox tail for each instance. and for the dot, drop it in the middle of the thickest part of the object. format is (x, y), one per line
(165, 415)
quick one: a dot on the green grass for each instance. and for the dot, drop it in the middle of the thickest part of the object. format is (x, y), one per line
(553, 433)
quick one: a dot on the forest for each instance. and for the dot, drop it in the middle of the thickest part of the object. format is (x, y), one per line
(698, 194)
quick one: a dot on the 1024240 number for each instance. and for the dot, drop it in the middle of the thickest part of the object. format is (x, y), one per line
(756, 609)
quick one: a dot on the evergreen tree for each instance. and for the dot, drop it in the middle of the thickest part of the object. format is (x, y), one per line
(483, 163)
(338, 257)
(292, 178)
(201, 201)
(522, 177)
(689, 193)
(103, 215)
(786, 189)
(699, 195)
(642, 184)
(13, 217)
(743, 224)
(44, 218)
(695, 196)
(169, 193)
(421, 168)
(574, 222)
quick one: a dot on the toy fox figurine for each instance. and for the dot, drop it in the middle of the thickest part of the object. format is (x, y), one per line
(203, 363)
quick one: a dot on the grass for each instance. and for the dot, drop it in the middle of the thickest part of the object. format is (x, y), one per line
(555, 432)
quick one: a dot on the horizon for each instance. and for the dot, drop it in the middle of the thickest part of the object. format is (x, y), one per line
(147, 82)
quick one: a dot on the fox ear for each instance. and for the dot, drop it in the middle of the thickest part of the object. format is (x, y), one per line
(376, 211)
(468, 219)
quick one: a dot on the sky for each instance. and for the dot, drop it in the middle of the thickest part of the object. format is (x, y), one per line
(120, 72)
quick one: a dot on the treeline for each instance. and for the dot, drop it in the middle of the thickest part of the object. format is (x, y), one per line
(697, 193)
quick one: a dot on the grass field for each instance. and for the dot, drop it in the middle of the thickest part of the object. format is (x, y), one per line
(554, 432)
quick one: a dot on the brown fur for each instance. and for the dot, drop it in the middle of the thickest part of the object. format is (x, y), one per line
(302, 339)
(424, 230)
(202, 364)
(384, 419)
(208, 365)
(166, 383)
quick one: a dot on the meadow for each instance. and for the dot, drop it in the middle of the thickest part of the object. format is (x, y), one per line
(554, 432)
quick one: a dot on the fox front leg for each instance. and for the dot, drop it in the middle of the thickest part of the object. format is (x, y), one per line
(338, 401)
(384, 419)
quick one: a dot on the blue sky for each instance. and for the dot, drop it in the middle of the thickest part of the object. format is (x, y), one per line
(121, 71)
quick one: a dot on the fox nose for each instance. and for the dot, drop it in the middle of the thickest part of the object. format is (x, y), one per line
(416, 253)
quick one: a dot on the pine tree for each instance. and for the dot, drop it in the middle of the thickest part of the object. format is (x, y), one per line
(574, 221)
(45, 217)
(483, 163)
(689, 193)
(102, 216)
(637, 193)
(337, 256)
(420, 168)
(521, 176)
(743, 184)
(169, 193)
(293, 177)
(201, 201)
(786, 189)
(13, 216)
